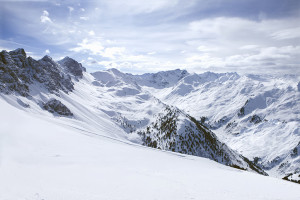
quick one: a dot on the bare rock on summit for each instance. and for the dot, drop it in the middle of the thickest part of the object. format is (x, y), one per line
(18, 72)
(51, 76)
(72, 66)
(10, 65)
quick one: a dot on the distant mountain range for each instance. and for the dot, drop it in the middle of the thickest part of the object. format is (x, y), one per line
(250, 122)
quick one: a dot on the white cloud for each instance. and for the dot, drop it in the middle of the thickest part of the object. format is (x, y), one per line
(47, 51)
(267, 60)
(91, 33)
(235, 29)
(136, 7)
(109, 64)
(113, 52)
(45, 17)
(261, 53)
(137, 59)
(249, 47)
(95, 47)
(222, 44)
(287, 34)
(84, 18)
(71, 9)
(205, 61)
(90, 46)
(204, 48)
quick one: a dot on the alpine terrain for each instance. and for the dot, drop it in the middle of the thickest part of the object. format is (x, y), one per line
(69, 134)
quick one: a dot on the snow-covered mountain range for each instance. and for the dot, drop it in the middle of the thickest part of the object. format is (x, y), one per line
(249, 122)
(256, 115)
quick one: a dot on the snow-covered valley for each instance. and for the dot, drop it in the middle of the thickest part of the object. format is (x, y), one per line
(69, 134)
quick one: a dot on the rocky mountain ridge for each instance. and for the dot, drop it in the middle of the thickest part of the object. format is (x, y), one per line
(18, 72)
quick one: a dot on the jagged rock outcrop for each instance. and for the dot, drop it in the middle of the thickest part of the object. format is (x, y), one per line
(49, 73)
(72, 66)
(18, 72)
(57, 107)
(11, 65)
(178, 132)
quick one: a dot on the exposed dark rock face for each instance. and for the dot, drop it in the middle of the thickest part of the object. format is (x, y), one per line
(242, 110)
(11, 65)
(289, 177)
(72, 66)
(56, 107)
(49, 73)
(18, 72)
(296, 151)
(255, 119)
(178, 132)
(298, 86)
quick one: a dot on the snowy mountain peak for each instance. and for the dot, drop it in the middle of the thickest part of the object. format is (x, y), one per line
(115, 71)
(220, 77)
(161, 79)
(176, 74)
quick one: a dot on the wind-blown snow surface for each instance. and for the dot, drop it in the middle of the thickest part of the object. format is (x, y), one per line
(46, 159)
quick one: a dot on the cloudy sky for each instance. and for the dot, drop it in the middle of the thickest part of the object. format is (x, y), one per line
(247, 36)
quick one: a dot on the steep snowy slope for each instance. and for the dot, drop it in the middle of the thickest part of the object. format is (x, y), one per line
(45, 159)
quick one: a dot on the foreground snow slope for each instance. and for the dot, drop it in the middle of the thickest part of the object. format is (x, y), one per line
(42, 159)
